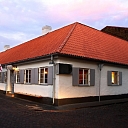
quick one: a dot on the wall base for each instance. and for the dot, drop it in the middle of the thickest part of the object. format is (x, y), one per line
(85, 101)
(44, 100)
(9, 94)
(66, 101)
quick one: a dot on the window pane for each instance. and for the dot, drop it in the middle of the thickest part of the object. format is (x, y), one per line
(46, 81)
(41, 76)
(29, 76)
(42, 71)
(44, 75)
(114, 77)
(81, 76)
(26, 76)
(85, 76)
(41, 80)
(18, 76)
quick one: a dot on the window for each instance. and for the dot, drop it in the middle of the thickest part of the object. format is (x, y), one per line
(17, 77)
(114, 78)
(83, 76)
(28, 76)
(43, 75)
(36, 76)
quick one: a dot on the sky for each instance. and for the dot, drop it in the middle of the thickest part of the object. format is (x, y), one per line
(22, 20)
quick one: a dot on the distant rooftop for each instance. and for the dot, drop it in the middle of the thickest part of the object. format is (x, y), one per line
(120, 32)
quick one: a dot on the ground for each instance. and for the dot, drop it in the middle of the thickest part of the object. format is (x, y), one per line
(16, 113)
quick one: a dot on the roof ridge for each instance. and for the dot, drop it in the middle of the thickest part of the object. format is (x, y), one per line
(115, 27)
(66, 39)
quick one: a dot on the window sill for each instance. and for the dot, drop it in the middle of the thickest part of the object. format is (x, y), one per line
(84, 85)
(114, 85)
(43, 84)
(27, 84)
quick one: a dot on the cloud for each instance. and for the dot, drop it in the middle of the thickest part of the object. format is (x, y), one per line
(21, 20)
(34, 13)
(73, 10)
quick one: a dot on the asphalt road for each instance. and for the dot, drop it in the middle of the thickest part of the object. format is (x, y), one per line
(21, 114)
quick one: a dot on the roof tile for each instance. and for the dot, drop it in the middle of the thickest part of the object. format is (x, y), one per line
(75, 39)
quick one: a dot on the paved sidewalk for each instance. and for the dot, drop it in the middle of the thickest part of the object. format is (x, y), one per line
(27, 103)
(17, 113)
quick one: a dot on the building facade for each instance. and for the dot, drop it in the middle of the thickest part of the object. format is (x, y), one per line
(77, 64)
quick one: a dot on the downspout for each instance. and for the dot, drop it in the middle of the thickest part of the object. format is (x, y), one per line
(100, 66)
(53, 101)
(53, 91)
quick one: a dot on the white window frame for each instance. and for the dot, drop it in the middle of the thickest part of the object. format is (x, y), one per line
(44, 77)
(29, 76)
(88, 77)
(17, 76)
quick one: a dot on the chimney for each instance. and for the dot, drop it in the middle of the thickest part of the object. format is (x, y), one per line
(6, 47)
(46, 29)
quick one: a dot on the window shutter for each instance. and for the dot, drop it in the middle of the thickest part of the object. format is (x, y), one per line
(21, 76)
(0, 76)
(75, 76)
(12, 77)
(3, 77)
(50, 75)
(92, 76)
(109, 77)
(120, 78)
(32, 76)
(36, 77)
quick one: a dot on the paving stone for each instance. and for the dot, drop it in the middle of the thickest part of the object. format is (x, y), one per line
(17, 113)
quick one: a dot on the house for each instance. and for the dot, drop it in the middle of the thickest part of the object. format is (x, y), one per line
(73, 64)
(120, 32)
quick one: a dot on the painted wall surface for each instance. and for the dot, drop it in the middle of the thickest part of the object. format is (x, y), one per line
(2, 86)
(63, 83)
(34, 90)
(114, 90)
(65, 89)
(31, 89)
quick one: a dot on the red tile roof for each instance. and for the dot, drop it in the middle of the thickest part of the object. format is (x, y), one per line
(76, 39)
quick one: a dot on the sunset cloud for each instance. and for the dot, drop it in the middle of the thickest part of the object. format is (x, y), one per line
(87, 10)
(22, 20)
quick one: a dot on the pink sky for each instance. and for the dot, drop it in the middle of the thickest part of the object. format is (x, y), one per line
(22, 20)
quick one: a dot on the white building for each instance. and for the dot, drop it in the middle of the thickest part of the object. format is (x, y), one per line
(73, 64)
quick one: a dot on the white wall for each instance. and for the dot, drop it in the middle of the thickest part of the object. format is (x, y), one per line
(35, 90)
(114, 90)
(2, 86)
(31, 89)
(65, 89)
(63, 83)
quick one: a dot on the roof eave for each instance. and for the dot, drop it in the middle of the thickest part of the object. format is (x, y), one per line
(92, 59)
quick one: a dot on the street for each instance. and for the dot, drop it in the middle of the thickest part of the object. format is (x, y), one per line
(20, 114)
